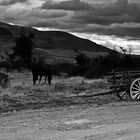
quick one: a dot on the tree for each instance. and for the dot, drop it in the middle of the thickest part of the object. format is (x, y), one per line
(23, 48)
(80, 58)
(82, 62)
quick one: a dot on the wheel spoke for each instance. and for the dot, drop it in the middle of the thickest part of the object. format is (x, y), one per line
(137, 86)
(138, 97)
(124, 95)
(136, 94)
(139, 83)
(135, 89)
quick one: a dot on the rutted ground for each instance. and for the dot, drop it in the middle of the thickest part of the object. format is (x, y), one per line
(47, 113)
(119, 121)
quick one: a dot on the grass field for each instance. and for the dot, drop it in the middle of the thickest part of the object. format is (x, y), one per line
(23, 95)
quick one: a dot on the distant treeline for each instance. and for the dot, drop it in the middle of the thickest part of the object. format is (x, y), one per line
(100, 66)
(22, 56)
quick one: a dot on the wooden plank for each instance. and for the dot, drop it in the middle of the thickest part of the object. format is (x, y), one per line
(119, 86)
(122, 72)
(123, 76)
(93, 95)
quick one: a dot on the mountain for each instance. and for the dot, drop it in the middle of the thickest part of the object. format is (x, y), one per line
(66, 41)
(50, 41)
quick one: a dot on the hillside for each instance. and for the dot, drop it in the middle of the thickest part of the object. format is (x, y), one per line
(49, 40)
(65, 41)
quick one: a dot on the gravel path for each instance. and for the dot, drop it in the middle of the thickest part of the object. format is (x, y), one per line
(114, 121)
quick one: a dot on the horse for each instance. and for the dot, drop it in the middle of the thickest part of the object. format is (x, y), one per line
(42, 70)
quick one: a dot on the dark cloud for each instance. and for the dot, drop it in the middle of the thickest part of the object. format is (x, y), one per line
(46, 18)
(10, 2)
(66, 5)
(108, 17)
(38, 18)
(119, 12)
(47, 14)
(121, 32)
(94, 18)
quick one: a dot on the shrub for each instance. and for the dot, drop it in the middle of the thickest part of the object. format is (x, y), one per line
(113, 61)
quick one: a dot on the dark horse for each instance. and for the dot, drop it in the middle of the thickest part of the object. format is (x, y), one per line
(42, 70)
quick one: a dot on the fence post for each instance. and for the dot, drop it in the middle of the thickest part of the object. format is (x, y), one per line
(114, 77)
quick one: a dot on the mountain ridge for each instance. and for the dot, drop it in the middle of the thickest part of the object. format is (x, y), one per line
(51, 39)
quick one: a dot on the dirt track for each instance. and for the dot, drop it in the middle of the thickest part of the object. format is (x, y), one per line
(119, 121)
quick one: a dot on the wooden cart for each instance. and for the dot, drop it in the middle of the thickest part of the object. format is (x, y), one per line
(126, 84)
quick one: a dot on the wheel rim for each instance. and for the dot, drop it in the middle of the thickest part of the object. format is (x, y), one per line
(123, 94)
(135, 89)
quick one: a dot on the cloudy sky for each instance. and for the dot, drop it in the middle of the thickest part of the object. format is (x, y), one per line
(108, 22)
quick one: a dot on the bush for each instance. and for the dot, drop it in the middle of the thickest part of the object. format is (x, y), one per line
(62, 68)
(113, 61)
(81, 65)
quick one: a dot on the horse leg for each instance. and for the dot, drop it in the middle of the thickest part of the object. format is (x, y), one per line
(40, 79)
(49, 79)
(34, 79)
(45, 79)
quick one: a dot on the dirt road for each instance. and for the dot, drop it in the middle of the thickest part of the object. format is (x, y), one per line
(114, 121)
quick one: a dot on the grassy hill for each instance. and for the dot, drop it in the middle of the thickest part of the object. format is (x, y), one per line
(57, 45)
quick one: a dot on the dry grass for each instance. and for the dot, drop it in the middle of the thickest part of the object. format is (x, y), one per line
(23, 95)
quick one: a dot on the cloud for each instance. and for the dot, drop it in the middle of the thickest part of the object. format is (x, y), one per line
(104, 17)
(47, 14)
(119, 12)
(35, 17)
(47, 18)
(116, 18)
(11, 2)
(66, 5)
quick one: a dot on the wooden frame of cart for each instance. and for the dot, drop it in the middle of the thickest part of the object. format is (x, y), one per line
(126, 84)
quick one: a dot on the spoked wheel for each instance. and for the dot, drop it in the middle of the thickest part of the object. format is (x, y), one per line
(135, 89)
(124, 94)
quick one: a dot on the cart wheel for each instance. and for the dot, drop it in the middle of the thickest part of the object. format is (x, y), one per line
(124, 94)
(135, 89)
